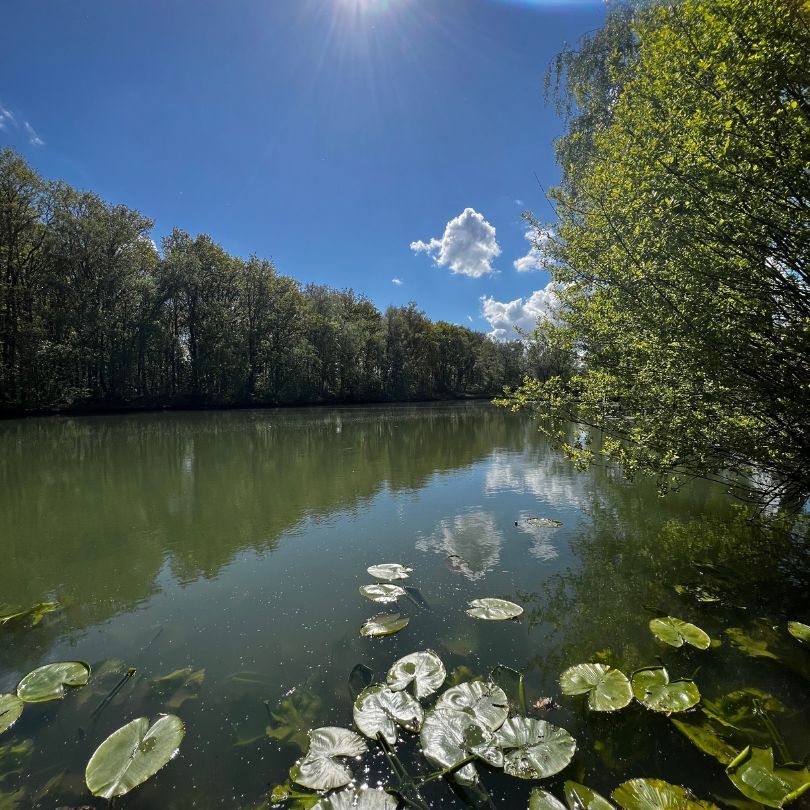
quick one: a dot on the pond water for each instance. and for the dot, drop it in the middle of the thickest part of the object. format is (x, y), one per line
(235, 543)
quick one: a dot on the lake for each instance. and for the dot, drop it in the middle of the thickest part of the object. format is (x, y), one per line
(235, 543)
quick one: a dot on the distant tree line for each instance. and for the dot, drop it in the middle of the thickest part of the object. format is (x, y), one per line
(93, 315)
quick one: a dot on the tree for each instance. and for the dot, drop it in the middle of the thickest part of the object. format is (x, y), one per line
(682, 247)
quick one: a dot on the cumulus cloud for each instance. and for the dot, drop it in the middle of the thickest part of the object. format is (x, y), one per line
(397, 281)
(533, 260)
(504, 316)
(33, 138)
(468, 246)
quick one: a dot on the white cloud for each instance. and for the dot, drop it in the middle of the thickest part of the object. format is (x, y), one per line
(6, 118)
(533, 260)
(519, 202)
(397, 281)
(33, 138)
(504, 316)
(468, 246)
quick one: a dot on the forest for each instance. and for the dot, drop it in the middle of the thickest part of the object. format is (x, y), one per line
(93, 316)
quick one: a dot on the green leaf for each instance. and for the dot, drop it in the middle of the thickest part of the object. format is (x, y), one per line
(543, 800)
(698, 593)
(320, 769)
(750, 646)
(754, 775)
(493, 609)
(652, 687)
(608, 689)
(656, 794)
(389, 571)
(799, 631)
(179, 686)
(382, 592)
(704, 734)
(10, 710)
(485, 702)
(676, 633)
(129, 756)
(378, 709)
(424, 669)
(31, 616)
(361, 799)
(534, 749)
(48, 682)
(738, 710)
(293, 717)
(581, 797)
(386, 624)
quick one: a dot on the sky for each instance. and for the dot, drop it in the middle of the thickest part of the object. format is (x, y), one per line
(390, 146)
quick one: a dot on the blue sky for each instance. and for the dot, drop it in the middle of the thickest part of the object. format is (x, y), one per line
(352, 141)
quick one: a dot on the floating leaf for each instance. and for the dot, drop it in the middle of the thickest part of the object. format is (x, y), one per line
(386, 624)
(543, 800)
(382, 592)
(449, 736)
(546, 523)
(656, 794)
(362, 799)
(754, 775)
(293, 717)
(534, 749)
(378, 709)
(485, 702)
(608, 689)
(652, 687)
(129, 756)
(424, 669)
(320, 768)
(799, 631)
(581, 797)
(10, 710)
(31, 616)
(676, 633)
(706, 736)
(389, 571)
(494, 609)
(48, 682)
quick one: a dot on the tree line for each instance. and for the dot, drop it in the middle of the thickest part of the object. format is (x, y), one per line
(92, 314)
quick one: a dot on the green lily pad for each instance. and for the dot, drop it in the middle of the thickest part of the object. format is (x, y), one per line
(424, 670)
(652, 687)
(542, 522)
(484, 701)
(754, 775)
(386, 624)
(129, 756)
(10, 710)
(656, 794)
(581, 797)
(31, 616)
(360, 799)
(494, 609)
(543, 800)
(321, 769)
(382, 592)
(799, 631)
(48, 682)
(534, 749)
(389, 571)
(677, 632)
(608, 689)
(449, 736)
(708, 736)
(293, 717)
(379, 710)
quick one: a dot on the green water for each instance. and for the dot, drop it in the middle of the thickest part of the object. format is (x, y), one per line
(235, 542)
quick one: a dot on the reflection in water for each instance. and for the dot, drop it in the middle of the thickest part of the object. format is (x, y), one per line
(471, 542)
(542, 538)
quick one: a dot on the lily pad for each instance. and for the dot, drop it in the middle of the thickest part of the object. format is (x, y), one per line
(389, 571)
(608, 689)
(321, 769)
(382, 592)
(449, 736)
(10, 710)
(543, 800)
(656, 794)
(677, 632)
(652, 687)
(494, 609)
(754, 775)
(379, 709)
(48, 682)
(361, 799)
(424, 669)
(708, 736)
(129, 756)
(386, 624)
(484, 701)
(581, 797)
(546, 523)
(799, 631)
(534, 749)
